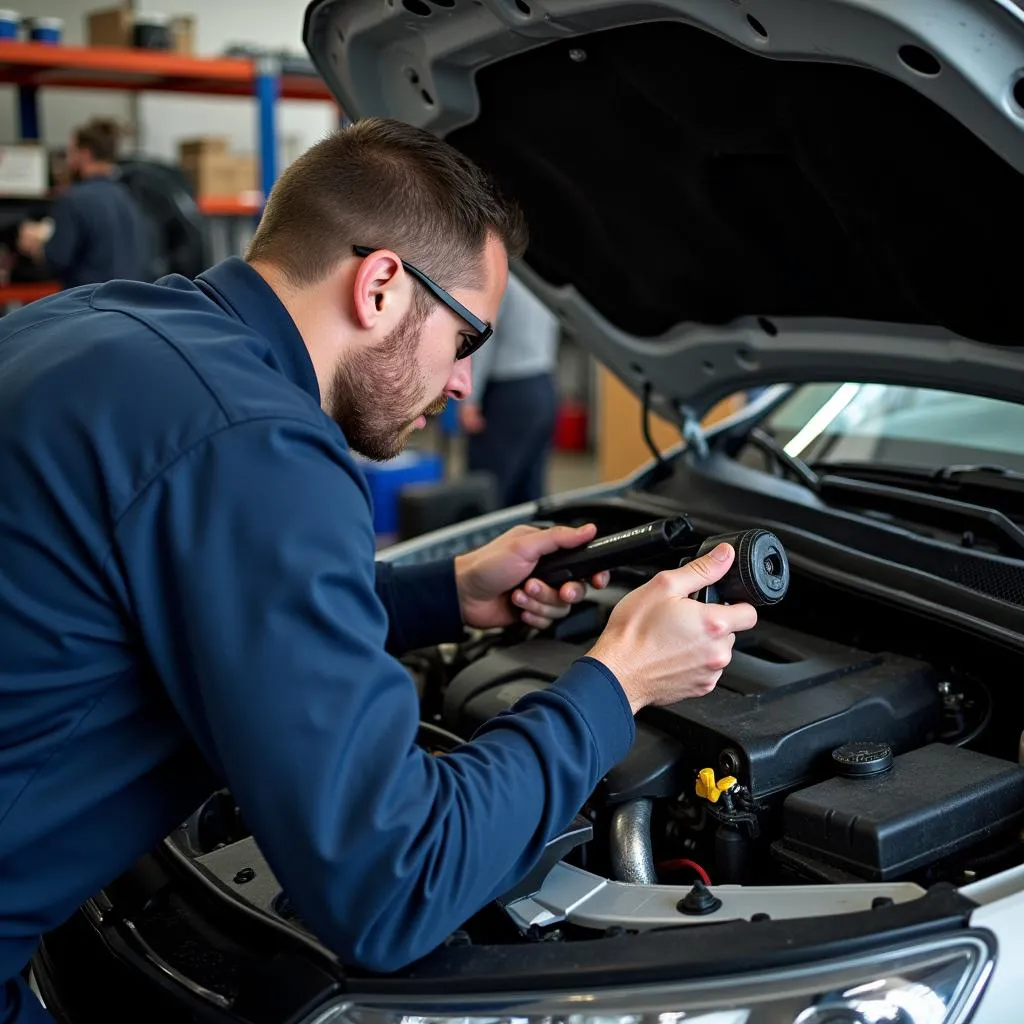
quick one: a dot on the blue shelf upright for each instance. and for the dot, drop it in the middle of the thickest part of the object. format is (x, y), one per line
(268, 91)
(28, 113)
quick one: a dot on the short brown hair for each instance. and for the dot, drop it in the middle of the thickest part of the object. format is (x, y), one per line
(100, 136)
(389, 185)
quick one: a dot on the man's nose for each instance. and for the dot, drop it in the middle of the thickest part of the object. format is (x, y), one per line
(460, 383)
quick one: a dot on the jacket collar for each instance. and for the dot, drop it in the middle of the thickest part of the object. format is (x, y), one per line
(242, 292)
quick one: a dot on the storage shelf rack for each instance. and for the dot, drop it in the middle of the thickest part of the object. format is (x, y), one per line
(31, 66)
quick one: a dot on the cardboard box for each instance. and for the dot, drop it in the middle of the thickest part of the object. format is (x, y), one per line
(183, 34)
(189, 149)
(110, 27)
(24, 171)
(221, 174)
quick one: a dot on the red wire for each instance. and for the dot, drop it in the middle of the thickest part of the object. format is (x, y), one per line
(675, 865)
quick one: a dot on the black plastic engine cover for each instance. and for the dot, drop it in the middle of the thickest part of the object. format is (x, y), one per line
(788, 700)
(932, 803)
(781, 708)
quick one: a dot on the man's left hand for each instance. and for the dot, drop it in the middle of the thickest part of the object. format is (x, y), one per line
(488, 579)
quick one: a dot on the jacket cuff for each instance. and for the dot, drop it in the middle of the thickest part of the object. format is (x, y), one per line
(423, 602)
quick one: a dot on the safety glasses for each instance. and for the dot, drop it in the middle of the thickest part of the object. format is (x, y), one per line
(482, 330)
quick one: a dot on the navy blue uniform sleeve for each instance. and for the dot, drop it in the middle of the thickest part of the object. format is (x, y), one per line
(422, 604)
(62, 250)
(249, 565)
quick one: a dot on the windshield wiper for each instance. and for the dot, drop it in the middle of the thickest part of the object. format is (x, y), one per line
(764, 441)
(968, 470)
(975, 484)
(911, 493)
(972, 521)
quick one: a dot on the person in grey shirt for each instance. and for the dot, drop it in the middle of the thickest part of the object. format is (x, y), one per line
(510, 418)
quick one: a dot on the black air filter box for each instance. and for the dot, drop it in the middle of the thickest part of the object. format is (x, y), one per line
(933, 802)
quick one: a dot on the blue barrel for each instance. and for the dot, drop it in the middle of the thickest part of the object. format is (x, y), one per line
(386, 480)
(45, 30)
(9, 22)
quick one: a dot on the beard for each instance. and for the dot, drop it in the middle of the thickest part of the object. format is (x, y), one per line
(376, 396)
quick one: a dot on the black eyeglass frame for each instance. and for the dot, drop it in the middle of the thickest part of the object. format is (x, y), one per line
(483, 330)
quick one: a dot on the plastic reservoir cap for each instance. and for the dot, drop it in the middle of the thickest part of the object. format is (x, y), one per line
(863, 758)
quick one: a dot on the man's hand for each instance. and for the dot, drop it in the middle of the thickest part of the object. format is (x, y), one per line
(662, 645)
(471, 419)
(32, 236)
(487, 579)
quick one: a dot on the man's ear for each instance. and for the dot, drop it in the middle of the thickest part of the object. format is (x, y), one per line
(380, 290)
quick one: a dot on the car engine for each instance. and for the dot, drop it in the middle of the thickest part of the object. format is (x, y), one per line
(769, 729)
(817, 760)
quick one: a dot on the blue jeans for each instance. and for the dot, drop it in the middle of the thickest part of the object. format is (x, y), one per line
(515, 446)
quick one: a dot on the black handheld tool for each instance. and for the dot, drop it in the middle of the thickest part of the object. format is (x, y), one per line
(640, 544)
(759, 575)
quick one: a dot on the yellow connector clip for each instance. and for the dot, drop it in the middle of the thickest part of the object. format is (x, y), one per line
(708, 789)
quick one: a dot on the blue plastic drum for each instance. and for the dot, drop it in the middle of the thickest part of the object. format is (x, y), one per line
(45, 30)
(9, 22)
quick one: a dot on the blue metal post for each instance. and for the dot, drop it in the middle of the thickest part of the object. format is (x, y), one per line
(28, 112)
(268, 88)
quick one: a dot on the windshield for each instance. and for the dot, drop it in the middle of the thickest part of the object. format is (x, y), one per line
(897, 426)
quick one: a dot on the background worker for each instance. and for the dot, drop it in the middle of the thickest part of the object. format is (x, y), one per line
(95, 233)
(510, 418)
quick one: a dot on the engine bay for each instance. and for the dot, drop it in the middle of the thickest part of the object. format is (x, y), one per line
(851, 755)
(810, 762)
(840, 747)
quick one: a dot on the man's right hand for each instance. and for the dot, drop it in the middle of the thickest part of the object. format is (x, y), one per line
(663, 646)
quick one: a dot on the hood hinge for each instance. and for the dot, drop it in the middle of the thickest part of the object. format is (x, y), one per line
(693, 433)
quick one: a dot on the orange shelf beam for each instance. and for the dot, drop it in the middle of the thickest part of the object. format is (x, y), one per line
(27, 292)
(107, 67)
(228, 206)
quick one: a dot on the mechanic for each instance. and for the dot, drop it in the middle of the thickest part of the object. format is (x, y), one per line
(96, 232)
(188, 589)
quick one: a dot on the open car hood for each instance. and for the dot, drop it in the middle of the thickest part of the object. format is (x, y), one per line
(729, 193)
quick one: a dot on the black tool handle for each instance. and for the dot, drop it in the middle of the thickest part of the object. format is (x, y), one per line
(759, 575)
(639, 544)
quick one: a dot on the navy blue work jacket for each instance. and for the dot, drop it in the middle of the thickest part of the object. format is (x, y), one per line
(189, 598)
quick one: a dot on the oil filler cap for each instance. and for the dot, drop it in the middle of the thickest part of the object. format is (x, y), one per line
(861, 759)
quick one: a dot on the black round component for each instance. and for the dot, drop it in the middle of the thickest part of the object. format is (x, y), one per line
(760, 573)
(857, 760)
(700, 900)
(764, 567)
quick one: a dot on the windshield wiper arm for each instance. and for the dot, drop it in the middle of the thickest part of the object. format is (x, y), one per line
(976, 484)
(766, 443)
(956, 472)
(935, 510)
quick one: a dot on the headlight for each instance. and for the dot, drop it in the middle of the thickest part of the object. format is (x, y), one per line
(937, 982)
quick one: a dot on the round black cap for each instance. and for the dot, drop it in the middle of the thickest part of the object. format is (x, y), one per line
(866, 757)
